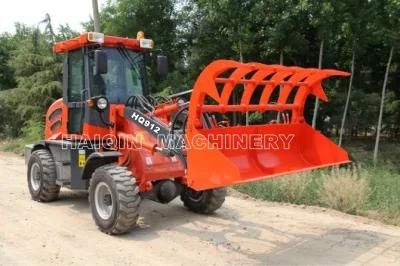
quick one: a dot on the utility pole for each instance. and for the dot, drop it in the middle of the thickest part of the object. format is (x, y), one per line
(96, 16)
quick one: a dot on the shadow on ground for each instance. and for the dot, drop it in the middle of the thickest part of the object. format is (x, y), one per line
(260, 242)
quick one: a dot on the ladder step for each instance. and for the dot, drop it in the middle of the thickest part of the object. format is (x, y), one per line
(63, 182)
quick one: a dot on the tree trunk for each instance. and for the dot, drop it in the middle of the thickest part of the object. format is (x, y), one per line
(241, 61)
(321, 54)
(379, 127)
(346, 107)
(96, 16)
(240, 51)
(278, 118)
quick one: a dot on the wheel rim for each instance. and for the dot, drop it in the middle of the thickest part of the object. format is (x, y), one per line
(103, 200)
(194, 195)
(35, 176)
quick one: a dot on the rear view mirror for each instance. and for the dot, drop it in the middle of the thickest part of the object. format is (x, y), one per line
(100, 62)
(162, 65)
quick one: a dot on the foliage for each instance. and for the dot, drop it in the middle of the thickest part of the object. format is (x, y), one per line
(157, 19)
(344, 190)
(255, 118)
(371, 191)
(31, 132)
(7, 79)
(36, 80)
(276, 189)
(375, 193)
(195, 32)
(293, 188)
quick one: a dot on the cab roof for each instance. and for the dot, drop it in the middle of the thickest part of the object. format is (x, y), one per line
(83, 40)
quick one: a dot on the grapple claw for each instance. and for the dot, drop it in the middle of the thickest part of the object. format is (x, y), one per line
(271, 149)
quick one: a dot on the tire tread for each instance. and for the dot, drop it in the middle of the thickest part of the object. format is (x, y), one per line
(128, 198)
(213, 200)
(49, 190)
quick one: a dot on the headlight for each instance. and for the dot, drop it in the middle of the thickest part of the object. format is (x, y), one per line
(102, 103)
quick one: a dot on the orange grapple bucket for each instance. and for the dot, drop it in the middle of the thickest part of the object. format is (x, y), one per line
(222, 156)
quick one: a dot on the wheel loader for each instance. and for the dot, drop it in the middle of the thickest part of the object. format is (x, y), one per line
(109, 135)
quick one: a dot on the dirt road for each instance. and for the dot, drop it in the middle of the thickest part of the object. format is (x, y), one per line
(243, 232)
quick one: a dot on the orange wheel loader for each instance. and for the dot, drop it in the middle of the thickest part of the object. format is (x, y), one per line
(110, 136)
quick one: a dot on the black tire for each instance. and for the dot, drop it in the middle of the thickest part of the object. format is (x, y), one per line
(123, 199)
(205, 202)
(42, 176)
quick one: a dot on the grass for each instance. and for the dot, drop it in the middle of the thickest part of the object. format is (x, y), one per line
(374, 192)
(31, 133)
(344, 189)
(15, 145)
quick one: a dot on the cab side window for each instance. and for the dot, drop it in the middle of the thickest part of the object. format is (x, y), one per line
(75, 76)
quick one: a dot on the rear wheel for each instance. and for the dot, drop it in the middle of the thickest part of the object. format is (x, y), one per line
(114, 199)
(205, 201)
(42, 176)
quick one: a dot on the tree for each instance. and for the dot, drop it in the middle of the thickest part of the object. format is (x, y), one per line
(353, 34)
(284, 29)
(219, 29)
(96, 15)
(324, 19)
(390, 24)
(48, 30)
(7, 80)
(157, 19)
(37, 72)
(357, 14)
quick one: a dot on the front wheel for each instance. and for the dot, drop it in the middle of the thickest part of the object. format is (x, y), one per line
(114, 199)
(205, 201)
(42, 176)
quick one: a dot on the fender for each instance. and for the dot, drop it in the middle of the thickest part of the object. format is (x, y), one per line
(98, 159)
(29, 148)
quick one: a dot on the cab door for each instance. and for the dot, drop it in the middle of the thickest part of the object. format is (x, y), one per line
(75, 93)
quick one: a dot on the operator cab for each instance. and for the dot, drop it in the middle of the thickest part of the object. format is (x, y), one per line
(97, 66)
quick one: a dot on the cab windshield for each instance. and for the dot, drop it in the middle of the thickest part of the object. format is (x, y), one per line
(125, 75)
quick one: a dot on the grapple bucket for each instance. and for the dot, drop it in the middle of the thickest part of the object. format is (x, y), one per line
(224, 155)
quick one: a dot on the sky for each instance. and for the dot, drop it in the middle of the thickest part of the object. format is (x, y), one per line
(31, 12)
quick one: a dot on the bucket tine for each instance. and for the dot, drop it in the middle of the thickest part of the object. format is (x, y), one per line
(250, 87)
(231, 83)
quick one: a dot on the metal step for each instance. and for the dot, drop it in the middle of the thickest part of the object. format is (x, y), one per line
(63, 183)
